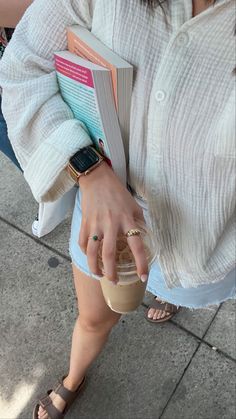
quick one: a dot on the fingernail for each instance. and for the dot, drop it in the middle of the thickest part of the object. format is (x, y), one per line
(144, 277)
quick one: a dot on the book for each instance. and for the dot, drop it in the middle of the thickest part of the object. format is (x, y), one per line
(87, 89)
(84, 44)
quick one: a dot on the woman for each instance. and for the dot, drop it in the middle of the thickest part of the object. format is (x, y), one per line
(181, 154)
(10, 14)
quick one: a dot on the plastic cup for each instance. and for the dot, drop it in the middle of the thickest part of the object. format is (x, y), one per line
(128, 293)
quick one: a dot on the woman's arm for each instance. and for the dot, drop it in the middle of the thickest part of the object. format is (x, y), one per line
(41, 127)
(11, 12)
(44, 133)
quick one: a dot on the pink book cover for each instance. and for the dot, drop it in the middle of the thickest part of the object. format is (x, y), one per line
(74, 71)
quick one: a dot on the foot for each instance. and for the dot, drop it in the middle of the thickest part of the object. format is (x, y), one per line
(155, 314)
(57, 401)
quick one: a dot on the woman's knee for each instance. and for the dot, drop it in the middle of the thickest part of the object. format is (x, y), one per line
(98, 325)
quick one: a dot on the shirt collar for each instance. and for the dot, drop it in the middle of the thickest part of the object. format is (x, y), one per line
(181, 11)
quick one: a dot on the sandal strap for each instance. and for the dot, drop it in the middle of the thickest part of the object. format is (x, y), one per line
(67, 395)
(52, 411)
(162, 305)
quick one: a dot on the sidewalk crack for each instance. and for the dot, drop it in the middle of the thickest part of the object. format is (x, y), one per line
(36, 240)
(188, 364)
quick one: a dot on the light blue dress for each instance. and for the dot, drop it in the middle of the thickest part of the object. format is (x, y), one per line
(199, 297)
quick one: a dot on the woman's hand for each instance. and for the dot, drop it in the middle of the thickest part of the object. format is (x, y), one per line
(108, 209)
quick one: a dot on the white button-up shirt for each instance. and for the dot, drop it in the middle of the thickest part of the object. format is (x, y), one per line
(182, 129)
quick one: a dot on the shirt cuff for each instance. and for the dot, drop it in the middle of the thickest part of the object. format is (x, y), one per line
(45, 171)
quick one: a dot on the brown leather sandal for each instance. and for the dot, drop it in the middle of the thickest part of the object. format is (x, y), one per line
(67, 395)
(162, 305)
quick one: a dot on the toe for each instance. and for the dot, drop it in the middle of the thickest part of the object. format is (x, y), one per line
(161, 314)
(151, 313)
(42, 414)
(156, 315)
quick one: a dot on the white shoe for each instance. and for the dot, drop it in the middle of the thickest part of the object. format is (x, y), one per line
(35, 226)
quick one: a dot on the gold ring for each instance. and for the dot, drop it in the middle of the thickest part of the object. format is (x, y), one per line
(133, 232)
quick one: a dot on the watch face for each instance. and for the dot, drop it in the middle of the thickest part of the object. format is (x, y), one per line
(84, 159)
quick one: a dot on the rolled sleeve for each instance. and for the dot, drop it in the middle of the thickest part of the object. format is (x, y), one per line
(42, 129)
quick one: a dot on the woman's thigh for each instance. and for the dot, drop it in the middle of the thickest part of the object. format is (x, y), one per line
(92, 306)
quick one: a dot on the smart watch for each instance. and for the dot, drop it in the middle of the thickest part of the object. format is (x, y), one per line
(83, 162)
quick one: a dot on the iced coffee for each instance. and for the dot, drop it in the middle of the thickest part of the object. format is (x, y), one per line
(129, 291)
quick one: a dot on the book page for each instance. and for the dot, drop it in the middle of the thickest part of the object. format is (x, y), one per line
(80, 48)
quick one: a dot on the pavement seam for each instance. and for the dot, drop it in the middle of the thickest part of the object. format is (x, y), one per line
(198, 338)
(200, 341)
(178, 383)
(204, 341)
(36, 240)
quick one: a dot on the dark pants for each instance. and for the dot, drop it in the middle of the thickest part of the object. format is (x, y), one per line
(5, 145)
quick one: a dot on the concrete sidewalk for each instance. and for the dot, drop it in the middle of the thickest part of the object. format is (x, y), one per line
(184, 369)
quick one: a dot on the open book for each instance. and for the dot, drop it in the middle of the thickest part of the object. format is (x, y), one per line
(87, 89)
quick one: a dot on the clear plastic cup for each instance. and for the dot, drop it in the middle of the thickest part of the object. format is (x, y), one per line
(128, 293)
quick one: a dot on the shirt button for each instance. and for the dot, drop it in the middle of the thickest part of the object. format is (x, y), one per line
(182, 39)
(160, 95)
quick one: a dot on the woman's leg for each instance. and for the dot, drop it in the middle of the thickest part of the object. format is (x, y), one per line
(90, 334)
